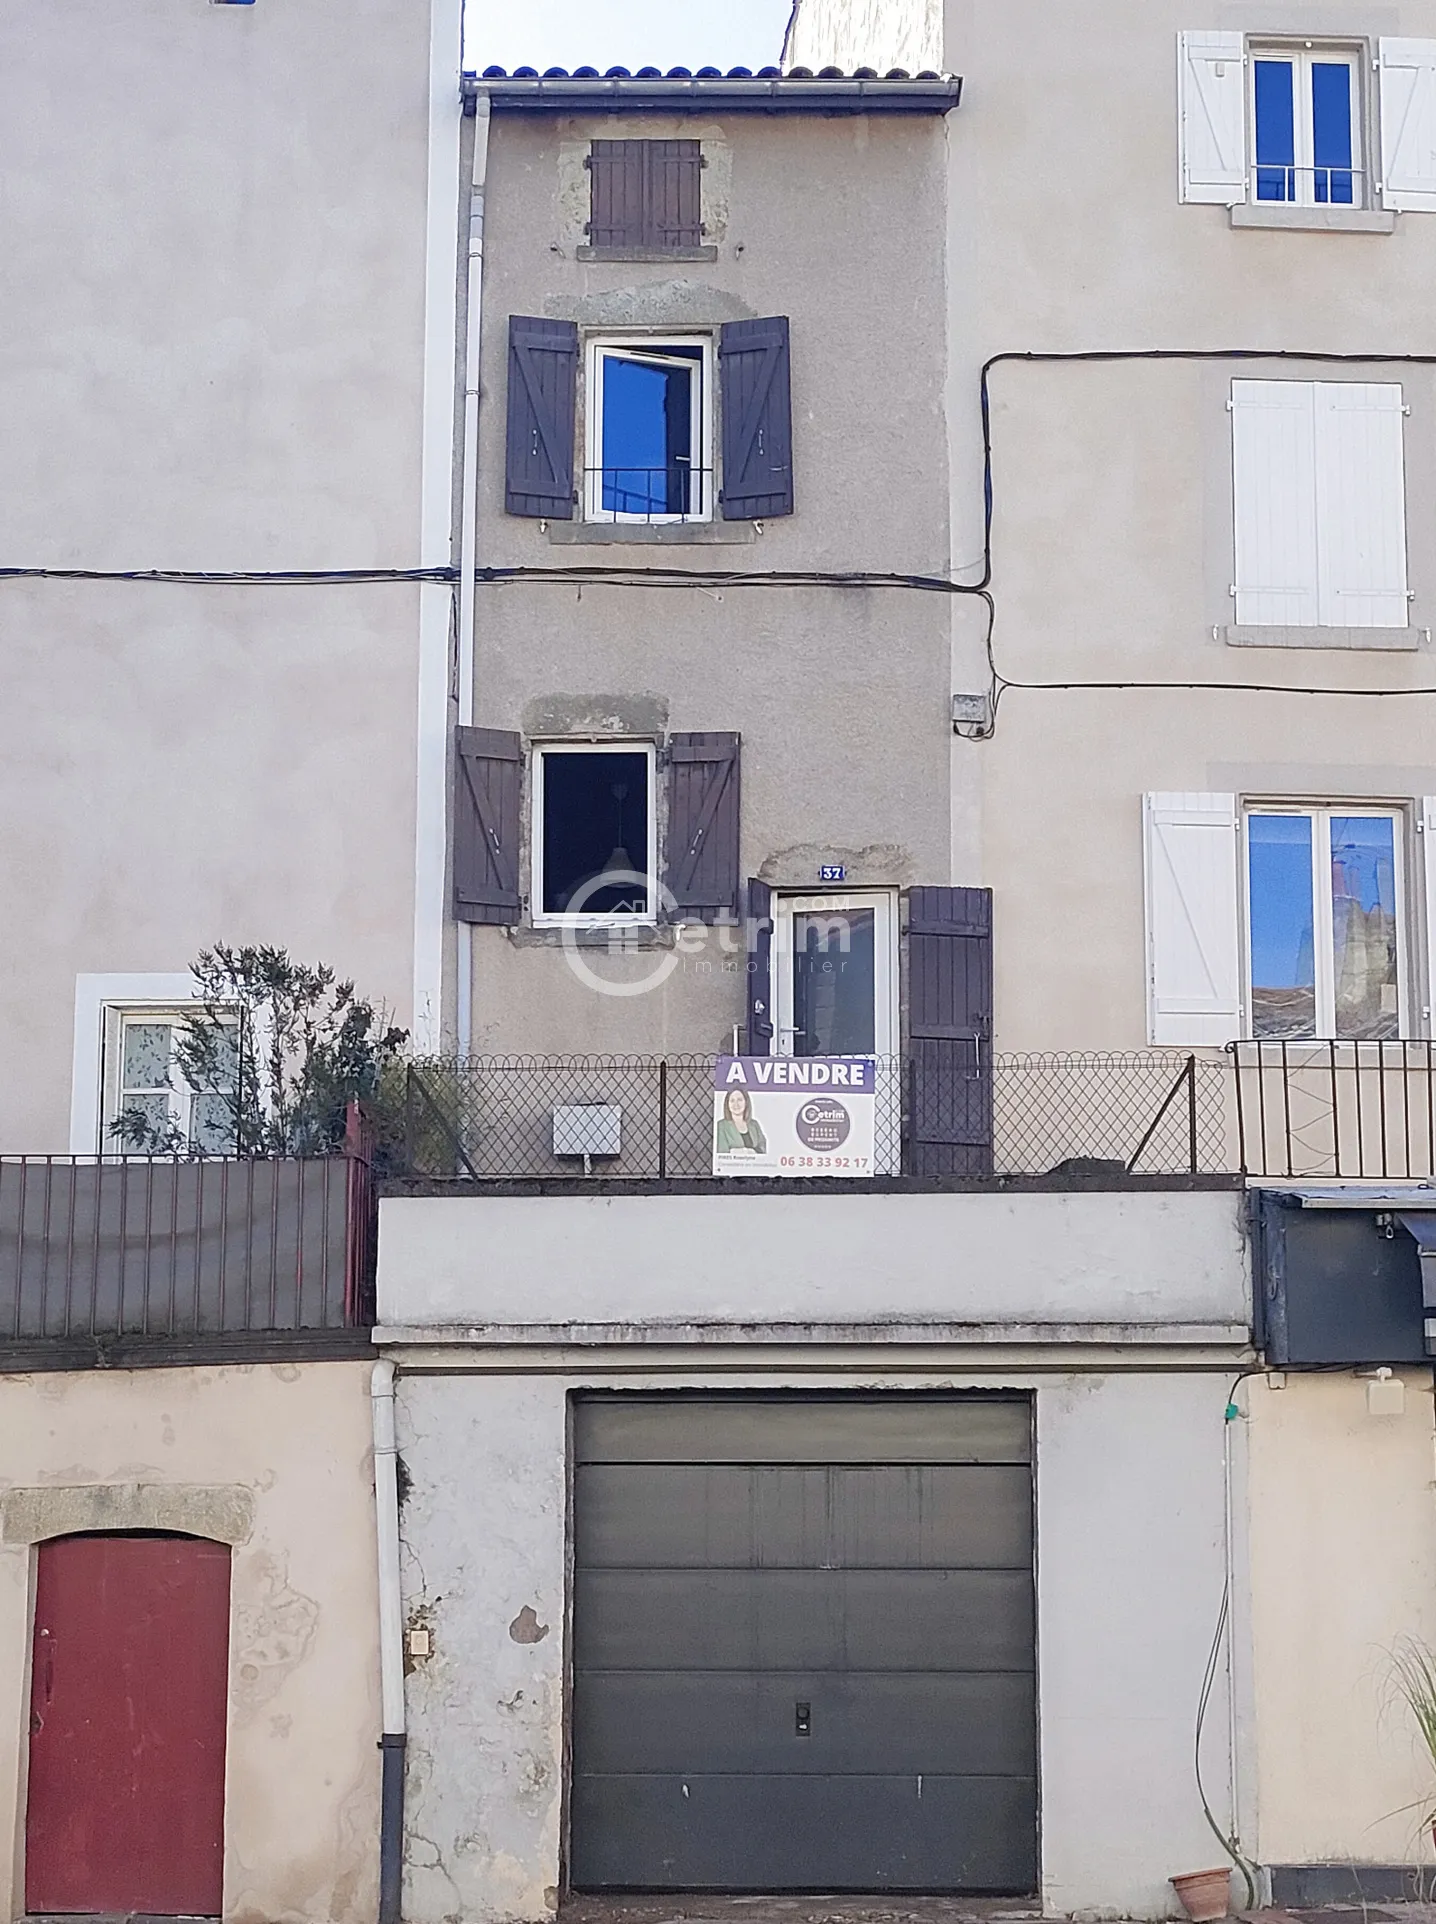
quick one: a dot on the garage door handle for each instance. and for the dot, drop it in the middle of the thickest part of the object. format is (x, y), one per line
(802, 1720)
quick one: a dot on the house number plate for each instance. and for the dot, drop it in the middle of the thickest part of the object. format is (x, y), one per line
(832, 872)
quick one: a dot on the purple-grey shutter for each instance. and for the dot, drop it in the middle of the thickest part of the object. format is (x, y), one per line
(615, 196)
(759, 945)
(645, 194)
(543, 385)
(949, 970)
(703, 818)
(674, 182)
(757, 419)
(488, 763)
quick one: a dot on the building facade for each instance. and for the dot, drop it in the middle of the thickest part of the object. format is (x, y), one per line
(1202, 368)
(225, 384)
(681, 1452)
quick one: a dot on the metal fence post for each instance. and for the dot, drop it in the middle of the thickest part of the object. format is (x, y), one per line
(662, 1117)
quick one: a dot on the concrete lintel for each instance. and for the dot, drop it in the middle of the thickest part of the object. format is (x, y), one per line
(739, 1365)
(223, 1512)
(981, 1335)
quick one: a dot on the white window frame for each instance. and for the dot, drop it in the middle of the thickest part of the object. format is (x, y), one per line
(1320, 814)
(1303, 54)
(636, 346)
(555, 920)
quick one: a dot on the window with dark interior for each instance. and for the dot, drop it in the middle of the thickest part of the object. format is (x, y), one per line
(649, 409)
(645, 195)
(594, 834)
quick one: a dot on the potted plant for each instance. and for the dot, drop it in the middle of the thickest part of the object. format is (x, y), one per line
(1205, 1895)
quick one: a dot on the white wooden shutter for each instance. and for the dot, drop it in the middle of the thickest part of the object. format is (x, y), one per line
(1212, 110)
(1428, 839)
(1193, 949)
(1360, 505)
(1274, 502)
(1408, 124)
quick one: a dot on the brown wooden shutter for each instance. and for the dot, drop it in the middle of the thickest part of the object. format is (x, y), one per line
(674, 196)
(645, 194)
(488, 763)
(757, 419)
(543, 386)
(703, 818)
(615, 199)
(759, 946)
(949, 995)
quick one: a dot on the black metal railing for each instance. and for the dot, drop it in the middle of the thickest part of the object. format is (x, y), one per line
(676, 490)
(139, 1246)
(521, 1118)
(1343, 1111)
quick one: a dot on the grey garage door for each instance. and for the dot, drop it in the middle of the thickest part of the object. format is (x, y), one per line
(803, 1644)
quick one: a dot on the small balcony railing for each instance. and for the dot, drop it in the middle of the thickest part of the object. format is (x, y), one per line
(1337, 1111)
(162, 1247)
(676, 491)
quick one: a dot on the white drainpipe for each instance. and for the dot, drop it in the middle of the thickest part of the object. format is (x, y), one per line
(391, 1645)
(468, 531)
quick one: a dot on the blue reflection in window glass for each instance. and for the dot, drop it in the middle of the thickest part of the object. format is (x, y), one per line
(1331, 131)
(647, 439)
(1282, 922)
(1275, 130)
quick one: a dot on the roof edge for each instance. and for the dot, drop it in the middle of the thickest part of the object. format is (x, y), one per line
(703, 93)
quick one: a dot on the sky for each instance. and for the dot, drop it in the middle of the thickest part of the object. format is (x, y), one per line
(624, 33)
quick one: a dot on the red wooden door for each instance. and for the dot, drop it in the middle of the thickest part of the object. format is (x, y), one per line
(127, 1723)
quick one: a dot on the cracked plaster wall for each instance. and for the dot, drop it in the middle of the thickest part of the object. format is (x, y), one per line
(275, 1459)
(483, 1567)
(1130, 1539)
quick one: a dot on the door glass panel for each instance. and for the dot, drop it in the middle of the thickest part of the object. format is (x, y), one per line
(1283, 937)
(834, 983)
(1331, 131)
(1275, 130)
(1363, 924)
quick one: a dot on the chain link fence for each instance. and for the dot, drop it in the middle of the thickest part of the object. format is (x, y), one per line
(524, 1118)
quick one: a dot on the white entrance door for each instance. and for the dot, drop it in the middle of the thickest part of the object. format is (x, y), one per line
(835, 959)
(835, 969)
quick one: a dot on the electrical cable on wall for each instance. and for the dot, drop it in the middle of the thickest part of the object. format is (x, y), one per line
(634, 576)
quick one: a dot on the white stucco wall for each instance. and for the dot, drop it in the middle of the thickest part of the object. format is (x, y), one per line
(1152, 1259)
(285, 1449)
(866, 33)
(1343, 1567)
(1130, 1532)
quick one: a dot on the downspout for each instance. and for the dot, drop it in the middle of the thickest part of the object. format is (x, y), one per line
(468, 529)
(391, 1647)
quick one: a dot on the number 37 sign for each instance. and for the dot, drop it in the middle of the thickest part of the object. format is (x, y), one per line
(793, 1115)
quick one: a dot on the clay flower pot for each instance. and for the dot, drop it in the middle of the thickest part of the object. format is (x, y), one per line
(1205, 1895)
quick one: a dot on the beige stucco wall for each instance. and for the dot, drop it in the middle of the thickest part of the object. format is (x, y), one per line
(1342, 1552)
(278, 1457)
(1112, 543)
(214, 228)
(841, 695)
(1112, 518)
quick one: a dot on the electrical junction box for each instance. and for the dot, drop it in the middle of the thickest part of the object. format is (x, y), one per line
(1339, 1277)
(588, 1129)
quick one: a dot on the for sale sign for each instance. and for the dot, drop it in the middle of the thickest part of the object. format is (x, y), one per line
(793, 1115)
